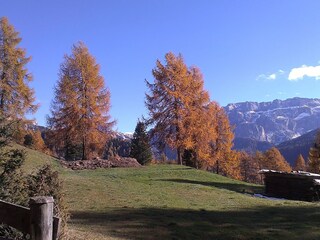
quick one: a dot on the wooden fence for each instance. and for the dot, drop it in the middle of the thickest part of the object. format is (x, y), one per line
(38, 220)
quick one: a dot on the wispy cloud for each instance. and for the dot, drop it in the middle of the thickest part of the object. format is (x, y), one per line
(269, 77)
(304, 71)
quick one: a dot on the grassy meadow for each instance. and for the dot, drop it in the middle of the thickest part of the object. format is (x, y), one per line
(175, 202)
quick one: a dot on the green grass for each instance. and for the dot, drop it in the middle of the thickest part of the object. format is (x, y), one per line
(176, 202)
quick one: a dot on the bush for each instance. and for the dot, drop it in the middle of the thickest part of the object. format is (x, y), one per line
(46, 182)
(17, 187)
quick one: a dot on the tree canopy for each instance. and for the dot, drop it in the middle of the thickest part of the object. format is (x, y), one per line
(16, 96)
(182, 115)
(80, 109)
(314, 156)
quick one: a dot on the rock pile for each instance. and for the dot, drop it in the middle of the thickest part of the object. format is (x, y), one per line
(101, 163)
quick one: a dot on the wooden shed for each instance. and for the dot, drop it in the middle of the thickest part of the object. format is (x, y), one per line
(296, 185)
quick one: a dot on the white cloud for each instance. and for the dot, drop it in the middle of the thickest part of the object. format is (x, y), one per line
(270, 77)
(304, 71)
(267, 77)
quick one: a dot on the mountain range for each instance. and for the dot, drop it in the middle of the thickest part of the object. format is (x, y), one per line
(274, 122)
(290, 125)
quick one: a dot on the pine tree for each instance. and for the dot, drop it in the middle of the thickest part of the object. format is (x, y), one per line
(314, 156)
(140, 145)
(300, 164)
(16, 97)
(80, 110)
(273, 160)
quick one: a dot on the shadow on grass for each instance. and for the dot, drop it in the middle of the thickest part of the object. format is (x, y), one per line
(236, 187)
(152, 223)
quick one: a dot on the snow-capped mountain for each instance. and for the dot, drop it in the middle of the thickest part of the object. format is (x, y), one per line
(276, 121)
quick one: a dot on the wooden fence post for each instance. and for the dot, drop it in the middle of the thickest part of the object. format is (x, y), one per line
(41, 218)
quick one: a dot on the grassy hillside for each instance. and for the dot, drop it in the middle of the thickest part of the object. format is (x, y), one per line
(176, 202)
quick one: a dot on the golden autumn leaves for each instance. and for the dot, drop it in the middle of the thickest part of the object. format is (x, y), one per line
(183, 116)
(180, 112)
(80, 110)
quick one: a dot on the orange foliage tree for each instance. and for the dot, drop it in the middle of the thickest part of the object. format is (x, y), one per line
(16, 97)
(273, 160)
(167, 102)
(199, 123)
(300, 164)
(314, 156)
(249, 168)
(183, 117)
(221, 148)
(80, 110)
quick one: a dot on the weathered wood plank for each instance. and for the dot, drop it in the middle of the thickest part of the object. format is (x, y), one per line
(19, 217)
(56, 228)
(16, 216)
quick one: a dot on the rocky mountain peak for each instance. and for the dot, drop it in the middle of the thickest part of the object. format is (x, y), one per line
(276, 121)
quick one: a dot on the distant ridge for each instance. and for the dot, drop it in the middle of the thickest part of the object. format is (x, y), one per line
(276, 121)
(300, 145)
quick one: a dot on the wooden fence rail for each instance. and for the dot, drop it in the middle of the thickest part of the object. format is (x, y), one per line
(38, 220)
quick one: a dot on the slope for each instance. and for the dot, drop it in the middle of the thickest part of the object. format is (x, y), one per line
(300, 145)
(176, 202)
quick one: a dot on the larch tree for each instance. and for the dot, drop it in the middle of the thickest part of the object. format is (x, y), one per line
(314, 156)
(182, 115)
(199, 123)
(300, 164)
(16, 97)
(38, 143)
(221, 148)
(140, 144)
(249, 167)
(80, 109)
(166, 102)
(273, 160)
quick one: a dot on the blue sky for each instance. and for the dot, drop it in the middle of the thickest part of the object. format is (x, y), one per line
(247, 50)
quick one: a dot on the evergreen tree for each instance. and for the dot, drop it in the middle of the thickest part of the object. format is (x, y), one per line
(28, 140)
(300, 164)
(140, 144)
(314, 156)
(80, 110)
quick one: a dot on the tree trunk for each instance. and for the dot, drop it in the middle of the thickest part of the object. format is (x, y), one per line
(179, 155)
(217, 169)
(84, 157)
